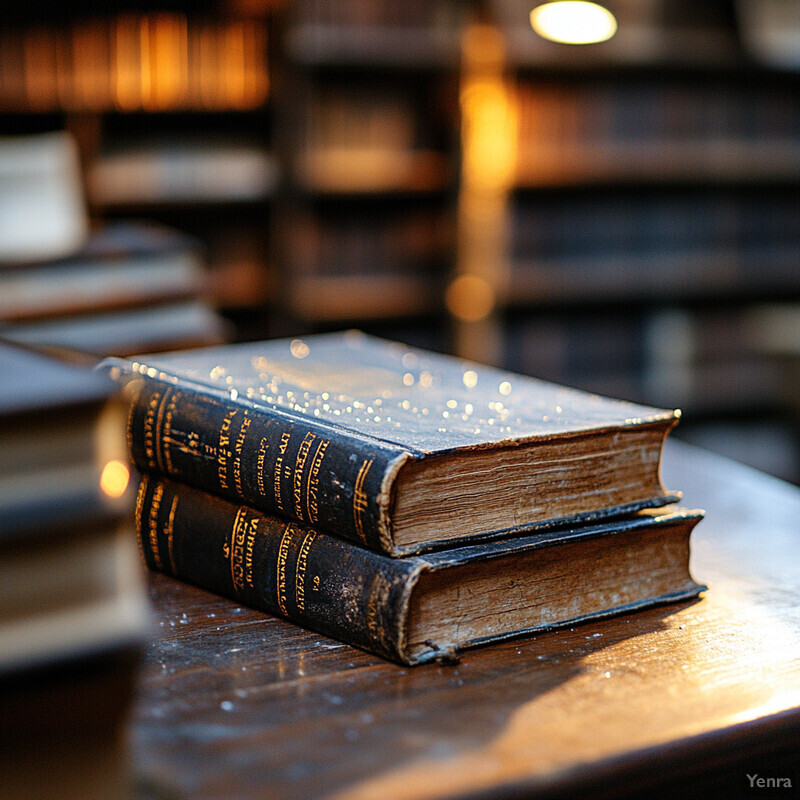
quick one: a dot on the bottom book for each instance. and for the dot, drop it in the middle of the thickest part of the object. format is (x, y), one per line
(425, 607)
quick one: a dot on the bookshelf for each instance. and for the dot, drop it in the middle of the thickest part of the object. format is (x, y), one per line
(170, 108)
(211, 174)
(364, 110)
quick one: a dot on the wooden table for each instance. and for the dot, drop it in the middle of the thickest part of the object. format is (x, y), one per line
(679, 701)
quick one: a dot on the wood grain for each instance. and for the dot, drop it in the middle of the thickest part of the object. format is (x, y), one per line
(689, 697)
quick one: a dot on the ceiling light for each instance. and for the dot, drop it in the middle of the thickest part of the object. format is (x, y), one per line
(573, 22)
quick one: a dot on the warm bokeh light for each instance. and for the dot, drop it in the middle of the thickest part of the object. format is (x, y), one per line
(573, 22)
(470, 298)
(489, 156)
(488, 166)
(115, 478)
(488, 115)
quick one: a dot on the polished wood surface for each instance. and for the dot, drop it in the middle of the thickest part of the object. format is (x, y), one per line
(688, 698)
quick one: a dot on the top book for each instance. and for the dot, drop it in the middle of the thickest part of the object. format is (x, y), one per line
(399, 449)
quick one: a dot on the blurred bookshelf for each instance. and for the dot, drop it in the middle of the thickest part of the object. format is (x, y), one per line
(619, 216)
(169, 106)
(366, 118)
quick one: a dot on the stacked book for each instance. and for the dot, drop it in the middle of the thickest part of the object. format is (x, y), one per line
(73, 613)
(128, 287)
(132, 287)
(406, 502)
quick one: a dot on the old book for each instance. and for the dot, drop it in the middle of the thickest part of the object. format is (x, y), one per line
(69, 579)
(161, 326)
(54, 414)
(399, 449)
(69, 592)
(123, 265)
(423, 607)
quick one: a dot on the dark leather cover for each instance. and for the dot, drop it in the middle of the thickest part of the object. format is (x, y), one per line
(317, 430)
(337, 588)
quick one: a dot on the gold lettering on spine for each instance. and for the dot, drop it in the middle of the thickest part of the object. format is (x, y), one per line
(159, 432)
(149, 429)
(302, 567)
(165, 437)
(224, 453)
(136, 392)
(283, 557)
(170, 527)
(282, 447)
(137, 514)
(360, 499)
(261, 460)
(299, 474)
(237, 461)
(155, 507)
(252, 533)
(312, 504)
(237, 549)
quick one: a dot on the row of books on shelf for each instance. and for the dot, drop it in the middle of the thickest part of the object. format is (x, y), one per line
(404, 243)
(654, 163)
(718, 361)
(402, 501)
(414, 14)
(324, 299)
(701, 274)
(428, 33)
(573, 224)
(598, 112)
(153, 61)
(369, 118)
(565, 247)
(182, 169)
(413, 34)
(367, 265)
(371, 139)
(372, 170)
(678, 242)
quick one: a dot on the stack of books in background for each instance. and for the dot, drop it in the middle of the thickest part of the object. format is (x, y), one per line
(402, 501)
(73, 614)
(72, 605)
(128, 287)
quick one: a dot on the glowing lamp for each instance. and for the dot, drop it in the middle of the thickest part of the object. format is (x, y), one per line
(573, 22)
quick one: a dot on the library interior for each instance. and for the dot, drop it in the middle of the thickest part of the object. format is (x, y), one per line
(614, 209)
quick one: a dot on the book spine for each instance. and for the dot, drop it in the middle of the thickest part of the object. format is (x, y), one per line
(283, 465)
(318, 581)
